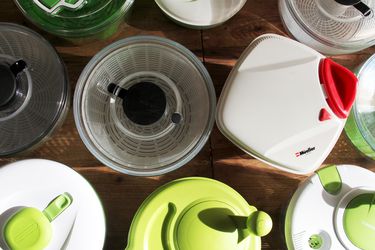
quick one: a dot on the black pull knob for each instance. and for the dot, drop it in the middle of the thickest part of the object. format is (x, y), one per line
(358, 4)
(117, 90)
(8, 81)
(363, 8)
(18, 67)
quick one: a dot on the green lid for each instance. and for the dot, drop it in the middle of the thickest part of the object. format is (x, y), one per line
(359, 221)
(31, 229)
(199, 214)
(74, 18)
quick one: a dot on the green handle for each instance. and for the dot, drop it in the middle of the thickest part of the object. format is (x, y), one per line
(57, 206)
(330, 179)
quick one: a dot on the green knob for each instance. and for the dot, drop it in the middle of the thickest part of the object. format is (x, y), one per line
(30, 228)
(259, 223)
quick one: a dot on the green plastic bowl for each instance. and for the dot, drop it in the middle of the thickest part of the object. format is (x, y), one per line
(360, 126)
(93, 19)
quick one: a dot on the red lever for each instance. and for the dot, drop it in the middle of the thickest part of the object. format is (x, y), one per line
(340, 85)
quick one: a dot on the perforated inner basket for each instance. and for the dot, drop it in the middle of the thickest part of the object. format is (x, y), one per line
(329, 22)
(42, 105)
(145, 149)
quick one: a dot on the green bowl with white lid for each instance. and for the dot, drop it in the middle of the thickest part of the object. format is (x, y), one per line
(76, 19)
(360, 126)
(199, 214)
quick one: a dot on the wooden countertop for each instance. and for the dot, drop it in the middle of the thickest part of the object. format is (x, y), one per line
(219, 48)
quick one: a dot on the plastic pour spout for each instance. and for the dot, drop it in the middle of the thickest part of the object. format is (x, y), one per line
(31, 229)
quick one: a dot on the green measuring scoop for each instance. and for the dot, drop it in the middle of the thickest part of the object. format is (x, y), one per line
(30, 228)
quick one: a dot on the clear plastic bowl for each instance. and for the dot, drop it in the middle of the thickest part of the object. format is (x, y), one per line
(360, 126)
(135, 134)
(39, 102)
(327, 26)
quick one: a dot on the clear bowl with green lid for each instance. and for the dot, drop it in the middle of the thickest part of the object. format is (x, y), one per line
(76, 18)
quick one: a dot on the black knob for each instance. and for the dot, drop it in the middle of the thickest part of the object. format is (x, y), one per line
(358, 4)
(8, 85)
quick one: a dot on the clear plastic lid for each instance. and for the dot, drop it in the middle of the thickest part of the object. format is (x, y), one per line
(345, 24)
(144, 105)
(74, 18)
(34, 89)
(364, 108)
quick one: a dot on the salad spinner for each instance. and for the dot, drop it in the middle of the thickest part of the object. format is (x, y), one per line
(360, 127)
(286, 104)
(200, 14)
(333, 209)
(34, 89)
(199, 214)
(330, 26)
(144, 105)
(47, 205)
(76, 18)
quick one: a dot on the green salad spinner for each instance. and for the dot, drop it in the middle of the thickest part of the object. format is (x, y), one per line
(199, 214)
(76, 19)
(31, 229)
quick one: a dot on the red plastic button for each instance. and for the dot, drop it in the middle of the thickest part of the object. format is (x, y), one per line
(340, 85)
(324, 115)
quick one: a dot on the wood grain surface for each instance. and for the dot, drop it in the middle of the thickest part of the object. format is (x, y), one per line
(219, 48)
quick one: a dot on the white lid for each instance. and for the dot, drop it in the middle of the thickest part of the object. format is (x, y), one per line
(200, 13)
(34, 183)
(315, 211)
(271, 105)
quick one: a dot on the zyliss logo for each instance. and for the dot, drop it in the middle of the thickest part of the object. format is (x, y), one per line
(298, 154)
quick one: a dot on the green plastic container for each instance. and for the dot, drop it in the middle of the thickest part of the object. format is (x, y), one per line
(360, 126)
(77, 19)
(197, 214)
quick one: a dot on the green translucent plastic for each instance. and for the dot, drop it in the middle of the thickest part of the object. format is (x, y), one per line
(359, 221)
(330, 179)
(96, 18)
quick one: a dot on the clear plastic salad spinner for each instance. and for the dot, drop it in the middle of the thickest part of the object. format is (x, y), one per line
(34, 89)
(331, 26)
(144, 105)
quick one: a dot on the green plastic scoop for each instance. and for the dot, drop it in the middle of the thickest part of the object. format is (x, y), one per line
(31, 229)
(199, 214)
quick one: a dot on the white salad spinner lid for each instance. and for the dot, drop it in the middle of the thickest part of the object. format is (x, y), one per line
(331, 26)
(200, 13)
(285, 103)
(144, 105)
(34, 89)
(333, 209)
(33, 184)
